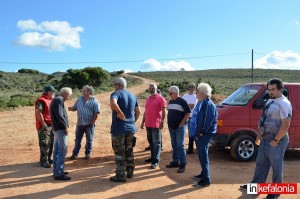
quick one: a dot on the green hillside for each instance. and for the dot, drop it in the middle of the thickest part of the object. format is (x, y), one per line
(224, 81)
(23, 87)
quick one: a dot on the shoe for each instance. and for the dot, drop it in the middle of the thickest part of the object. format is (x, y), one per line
(181, 169)
(129, 175)
(66, 173)
(62, 177)
(202, 183)
(198, 177)
(73, 157)
(148, 160)
(271, 196)
(147, 148)
(46, 165)
(172, 165)
(189, 151)
(117, 179)
(87, 157)
(243, 187)
(154, 166)
(50, 161)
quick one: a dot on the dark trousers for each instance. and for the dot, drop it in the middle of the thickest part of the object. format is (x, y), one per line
(154, 136)
(46, 138)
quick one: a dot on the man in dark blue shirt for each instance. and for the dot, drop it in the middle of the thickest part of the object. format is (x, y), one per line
(125, 112)
(178, 114)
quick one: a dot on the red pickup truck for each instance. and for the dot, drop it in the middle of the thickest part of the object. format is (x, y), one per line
(239, 114)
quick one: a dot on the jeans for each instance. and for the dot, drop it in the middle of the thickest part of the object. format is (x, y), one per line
(202, 144)
(267, 157)
(177, 142)
(191, 138)
(154, 137)
(60, 151)
(89, 134)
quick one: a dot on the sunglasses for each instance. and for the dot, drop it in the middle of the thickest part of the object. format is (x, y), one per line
(171, 93)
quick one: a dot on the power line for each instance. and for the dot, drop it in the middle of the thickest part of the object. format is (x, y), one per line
(124, 61)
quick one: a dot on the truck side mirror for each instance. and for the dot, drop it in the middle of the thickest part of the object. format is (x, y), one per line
(259, 103)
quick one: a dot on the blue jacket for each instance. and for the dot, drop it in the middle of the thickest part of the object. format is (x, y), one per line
(207, 118)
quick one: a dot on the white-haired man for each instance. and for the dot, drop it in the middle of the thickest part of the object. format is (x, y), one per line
(203, 126)
(178, 114)
(60, 125)
(153, 119)
(88, 109)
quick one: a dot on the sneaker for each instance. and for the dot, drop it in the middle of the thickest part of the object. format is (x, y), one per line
(271, 196)
(172, 165)
(62, 177)
(198, 177)
(148, 160)
(154, 166)
(87, 157)
(243, 187)
(181, 169)
(147, 148)
(46, 165)
(189, 151)
(117, 179)
(202, 183)
(73, 157)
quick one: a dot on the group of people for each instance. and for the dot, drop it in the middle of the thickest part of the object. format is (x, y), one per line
(194, 111)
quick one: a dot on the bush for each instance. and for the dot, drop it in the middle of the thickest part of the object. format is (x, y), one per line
(31, 71)
(20, 100)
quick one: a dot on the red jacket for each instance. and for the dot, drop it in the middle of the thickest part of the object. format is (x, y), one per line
(46, 111)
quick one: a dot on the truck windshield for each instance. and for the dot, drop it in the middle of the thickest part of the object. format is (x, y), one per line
(241, 96)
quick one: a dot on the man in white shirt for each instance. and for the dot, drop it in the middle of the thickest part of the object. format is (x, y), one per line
(191, 99)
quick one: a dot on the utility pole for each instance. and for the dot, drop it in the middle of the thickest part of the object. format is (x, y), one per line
(252, 66)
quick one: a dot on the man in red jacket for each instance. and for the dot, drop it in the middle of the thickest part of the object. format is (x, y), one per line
(43, 125)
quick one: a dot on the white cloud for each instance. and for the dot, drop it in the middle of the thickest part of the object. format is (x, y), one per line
(128, 71)
(52, 35)
(296, 22)
(154, 65)
(279, 60)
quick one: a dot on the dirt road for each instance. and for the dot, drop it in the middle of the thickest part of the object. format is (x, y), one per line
(22, 177)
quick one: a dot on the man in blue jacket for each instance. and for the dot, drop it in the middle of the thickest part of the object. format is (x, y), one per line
(203, 126)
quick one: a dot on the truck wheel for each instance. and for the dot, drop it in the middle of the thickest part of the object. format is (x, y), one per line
(243, 148)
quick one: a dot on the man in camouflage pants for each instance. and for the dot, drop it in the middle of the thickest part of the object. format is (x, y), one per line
(43, 125)
(124, 115)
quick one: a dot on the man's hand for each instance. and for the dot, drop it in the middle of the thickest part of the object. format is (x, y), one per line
(258, 138)
(121, 116)
(44, 125)
(142, 125)
(273, 143)
(161, 126)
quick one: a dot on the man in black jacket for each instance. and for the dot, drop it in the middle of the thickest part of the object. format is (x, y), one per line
(60, 124)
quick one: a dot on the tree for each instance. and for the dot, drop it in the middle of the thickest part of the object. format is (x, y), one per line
(93, 76)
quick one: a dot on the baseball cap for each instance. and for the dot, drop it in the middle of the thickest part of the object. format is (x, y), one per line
(49, 88)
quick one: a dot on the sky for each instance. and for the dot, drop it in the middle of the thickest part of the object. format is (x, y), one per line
(144, 35)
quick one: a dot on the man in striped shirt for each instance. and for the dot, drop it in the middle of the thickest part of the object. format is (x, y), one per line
(178, 114)
(88, 109)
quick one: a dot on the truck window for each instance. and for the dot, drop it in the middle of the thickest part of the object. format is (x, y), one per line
(261, 101)
(242, 96)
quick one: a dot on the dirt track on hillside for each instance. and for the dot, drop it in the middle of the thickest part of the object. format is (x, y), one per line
(22, 177)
